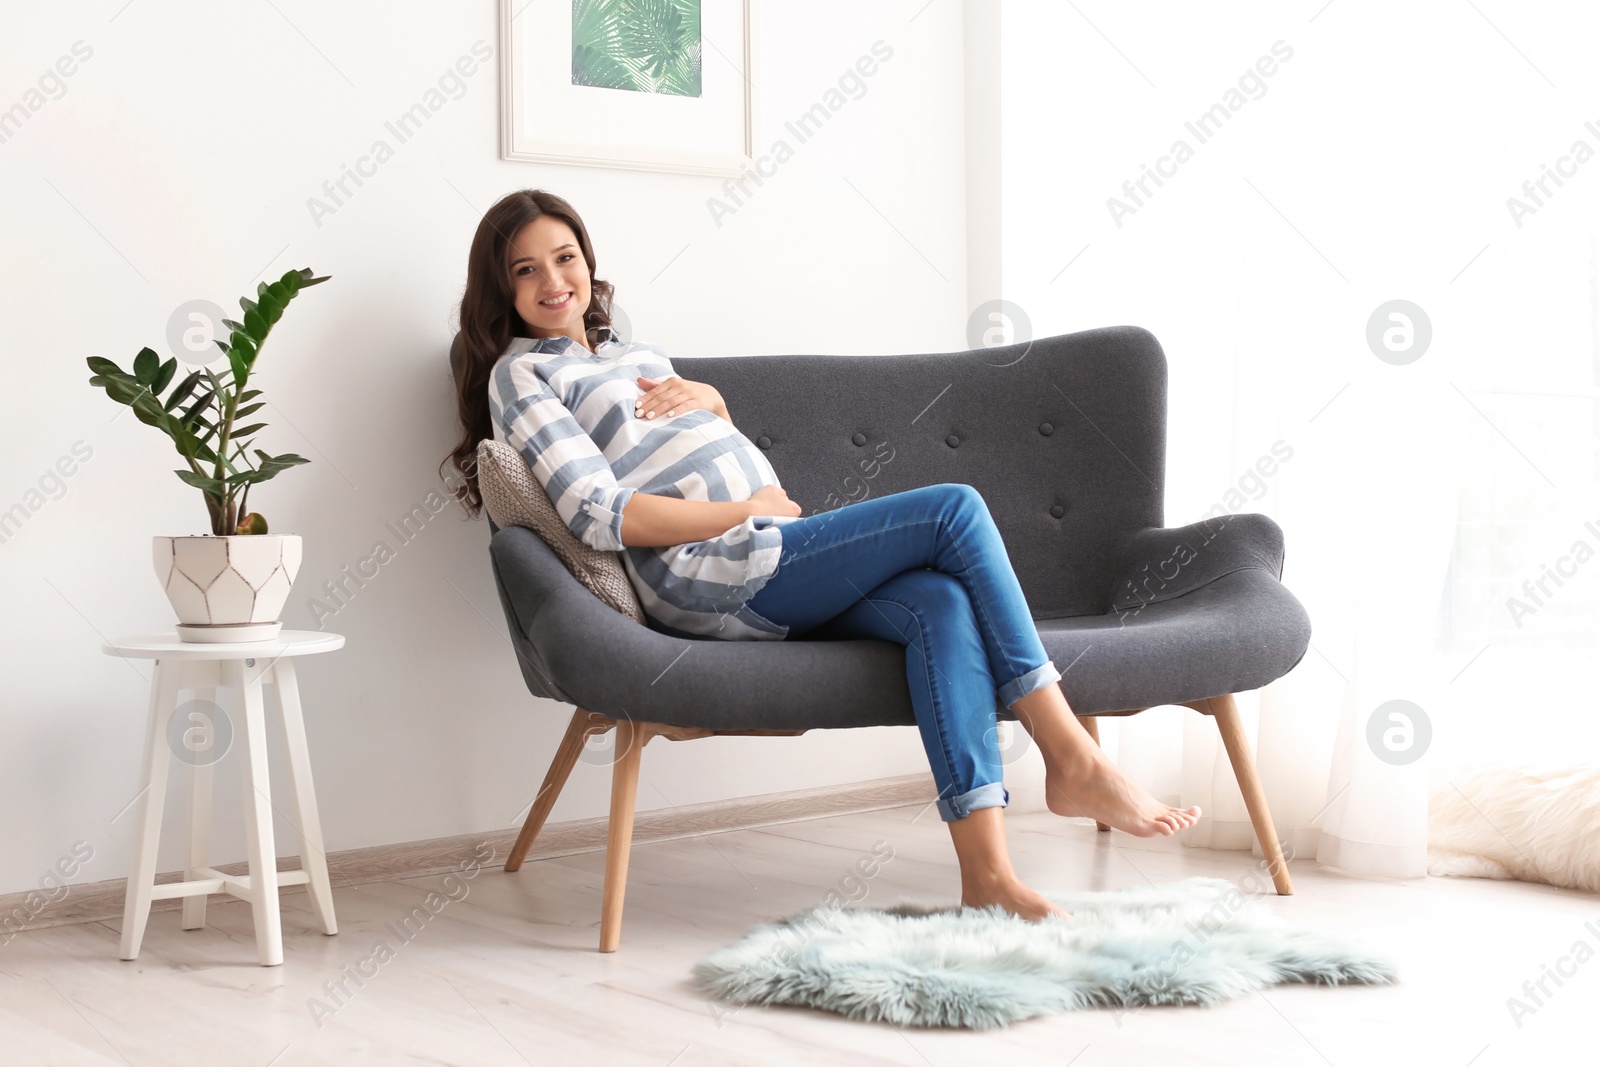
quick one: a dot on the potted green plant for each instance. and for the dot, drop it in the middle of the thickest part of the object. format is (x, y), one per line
(230, 584)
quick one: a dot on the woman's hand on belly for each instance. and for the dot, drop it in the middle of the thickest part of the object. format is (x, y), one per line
(673, 396)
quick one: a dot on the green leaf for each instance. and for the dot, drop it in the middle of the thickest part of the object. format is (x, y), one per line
(148, 411)
(164, 376)
(192, 448)
(101, 379)
(273, 464)
(250, 409)
(241, 432)
(255, 325)
(271, 309)
(146, 365)
(233, 327)
(246, 303)
(101, 365)
(203, 401)
(249, 394)
(184, 388)
(104, 382)
(124, 392)
(236, 361)
(197, 411)
(212, 487)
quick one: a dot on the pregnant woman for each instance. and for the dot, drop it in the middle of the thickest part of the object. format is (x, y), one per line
(640, 461)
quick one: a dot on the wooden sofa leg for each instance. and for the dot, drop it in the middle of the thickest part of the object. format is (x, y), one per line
(1226, 713)
(619, 834)
(583, 723)
(1092, 726)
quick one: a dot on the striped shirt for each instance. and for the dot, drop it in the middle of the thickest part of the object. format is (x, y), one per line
(569, 412)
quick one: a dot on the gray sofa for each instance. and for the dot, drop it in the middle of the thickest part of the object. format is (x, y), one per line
(1065, 437)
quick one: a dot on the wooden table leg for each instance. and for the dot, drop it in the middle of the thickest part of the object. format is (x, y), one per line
(312, 858)
(152, 798)
(260, 846)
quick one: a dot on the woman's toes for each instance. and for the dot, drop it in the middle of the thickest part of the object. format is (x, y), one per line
(1172, 820)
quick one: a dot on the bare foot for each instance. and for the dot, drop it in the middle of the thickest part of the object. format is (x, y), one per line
(1093, 787)
(1013, 897)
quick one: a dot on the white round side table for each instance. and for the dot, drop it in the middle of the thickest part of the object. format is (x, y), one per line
(244, 668)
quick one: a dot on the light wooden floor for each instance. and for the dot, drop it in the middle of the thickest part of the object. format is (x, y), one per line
(509, 973)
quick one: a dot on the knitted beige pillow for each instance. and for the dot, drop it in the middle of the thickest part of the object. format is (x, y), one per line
(513, 497)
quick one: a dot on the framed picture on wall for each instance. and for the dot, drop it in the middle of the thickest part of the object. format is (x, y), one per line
(664, 85)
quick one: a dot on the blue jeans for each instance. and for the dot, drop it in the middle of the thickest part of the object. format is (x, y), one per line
(925, 569)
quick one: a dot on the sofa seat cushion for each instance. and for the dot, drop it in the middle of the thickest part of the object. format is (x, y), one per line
(1234, 635)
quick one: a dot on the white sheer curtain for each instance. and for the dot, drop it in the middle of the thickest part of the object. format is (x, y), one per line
(1369, 502)
(1419, 497)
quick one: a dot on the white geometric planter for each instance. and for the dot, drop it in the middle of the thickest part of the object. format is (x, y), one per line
(227, 588)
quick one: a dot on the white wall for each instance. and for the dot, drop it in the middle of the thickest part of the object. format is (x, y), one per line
(177, 164)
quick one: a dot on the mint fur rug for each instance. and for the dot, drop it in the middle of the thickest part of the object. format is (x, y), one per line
(1197, 941)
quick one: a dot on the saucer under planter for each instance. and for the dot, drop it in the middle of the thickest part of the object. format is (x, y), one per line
(227, 589)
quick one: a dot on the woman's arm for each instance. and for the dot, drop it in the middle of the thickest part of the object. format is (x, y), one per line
(653, 521)
(564, 459)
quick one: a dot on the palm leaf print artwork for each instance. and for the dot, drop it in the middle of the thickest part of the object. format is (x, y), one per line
(644, 46)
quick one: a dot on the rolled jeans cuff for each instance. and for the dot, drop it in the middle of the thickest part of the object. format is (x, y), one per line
(991, 795)
(1037, 678)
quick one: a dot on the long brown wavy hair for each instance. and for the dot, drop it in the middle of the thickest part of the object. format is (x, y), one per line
(489, 321)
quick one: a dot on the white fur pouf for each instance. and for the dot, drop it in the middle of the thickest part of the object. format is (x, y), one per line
(1529, 822)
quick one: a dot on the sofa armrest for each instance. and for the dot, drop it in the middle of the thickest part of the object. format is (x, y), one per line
(1161, 564)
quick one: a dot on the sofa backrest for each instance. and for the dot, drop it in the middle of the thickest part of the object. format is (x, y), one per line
(1064, 436)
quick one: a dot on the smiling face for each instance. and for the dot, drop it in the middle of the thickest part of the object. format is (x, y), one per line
(550, 279)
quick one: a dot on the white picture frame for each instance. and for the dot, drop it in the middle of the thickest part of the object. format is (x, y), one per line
(547, 119)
